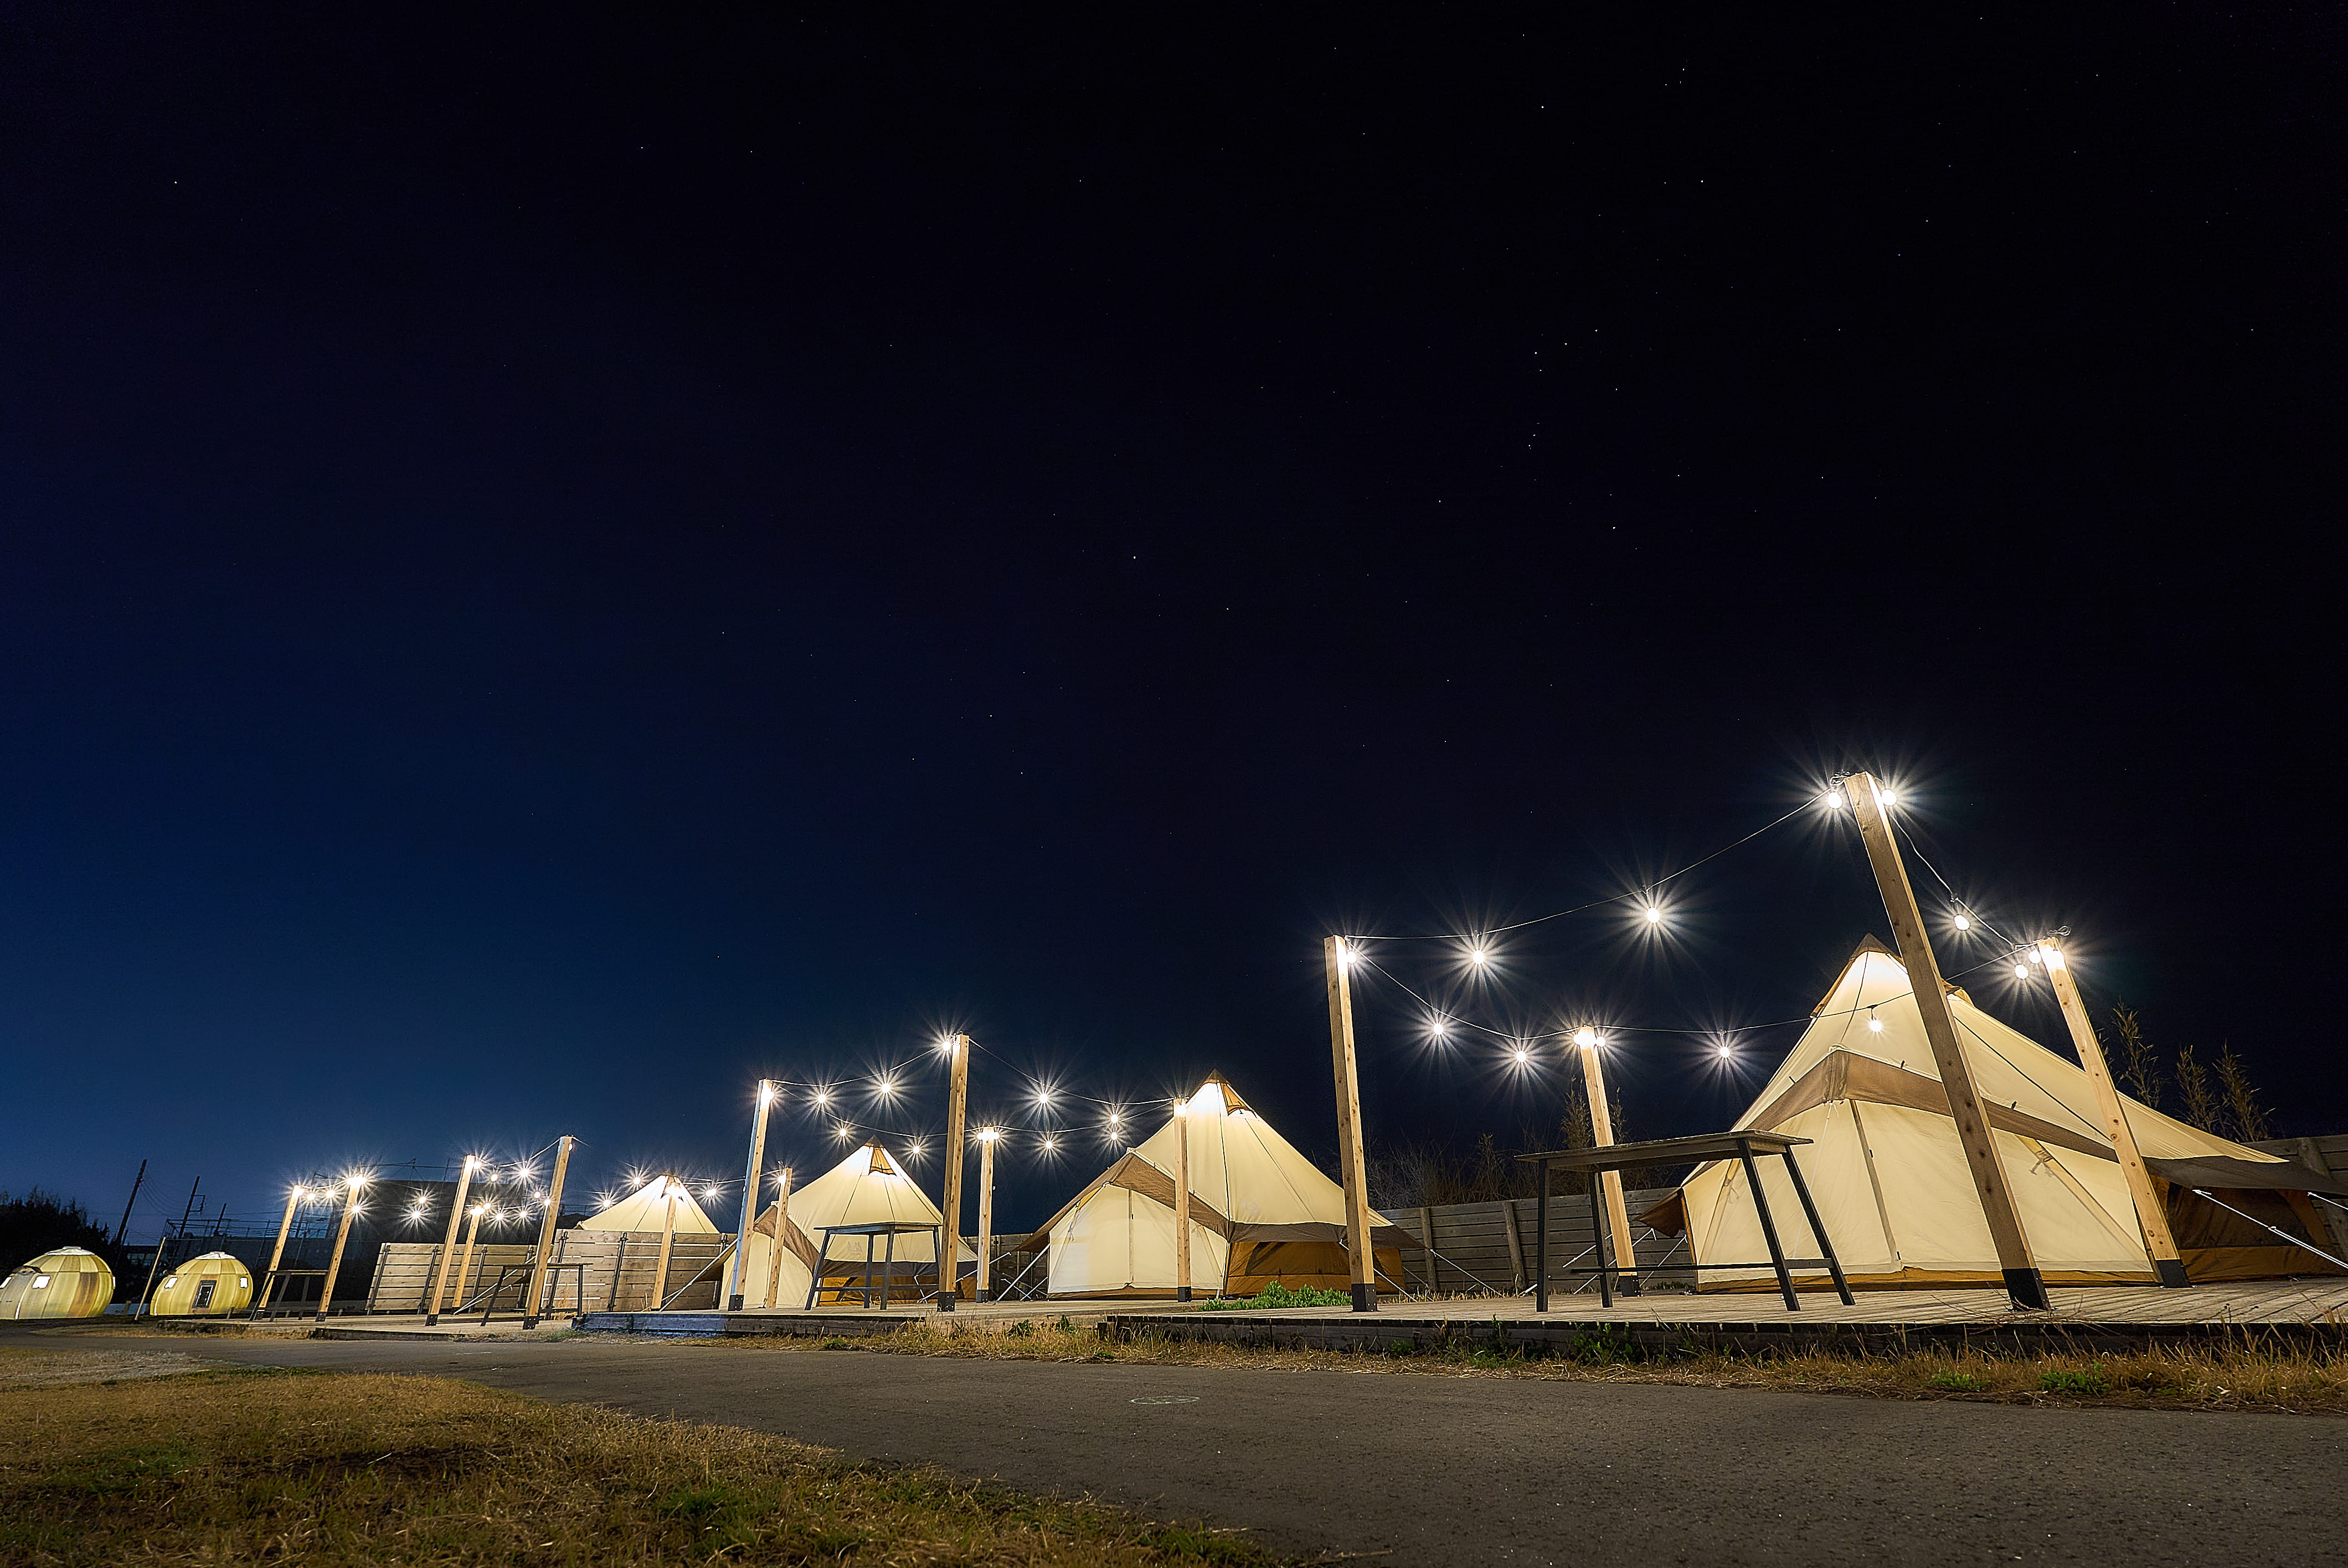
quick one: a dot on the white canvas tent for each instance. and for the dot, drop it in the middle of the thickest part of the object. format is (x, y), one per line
(1893, 1188)
(645, 1211)
(1260, 1211)
(869, 1187)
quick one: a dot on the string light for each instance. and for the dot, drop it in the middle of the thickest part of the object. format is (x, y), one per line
(2021, 971)
(1050, 1144)
(843, 1131)
(1654, 915)
(1723, 1052)
(1520, 1056)
(822, 1098)
(1874, 1024)
(1044, 1096)
(915, 1148)
(1479, 954)
(1835, 800)
(1964, 921)
(885, 1088)
(1891, 797)
(989, 1134)
(1585, 1037)
(708, 1194)
(1439, 1027)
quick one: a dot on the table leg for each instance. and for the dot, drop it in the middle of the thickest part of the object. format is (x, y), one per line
(1598, 1240)
(889, 1274)
(868, 1273)
(1541, 1243)
(1825, 1246)
(1769, 1228)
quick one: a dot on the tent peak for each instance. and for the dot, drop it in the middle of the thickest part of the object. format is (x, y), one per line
(1867, 944)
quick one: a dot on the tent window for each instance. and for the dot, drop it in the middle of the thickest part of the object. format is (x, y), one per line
(40, 1282)
(204, 1294)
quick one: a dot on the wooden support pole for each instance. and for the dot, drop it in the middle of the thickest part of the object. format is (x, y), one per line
(750, 1191)
(986, 1213)
(352, 1187)
(1351, 1166)
(1182, 1200)
(277, 1252)
(2023, 1281)
(775, 1255)
(1610, 1182)
(957, 1102)
(2151, 1217)
(438, 1291)
(534, 1303)
(465, 1258)
(668, 1240)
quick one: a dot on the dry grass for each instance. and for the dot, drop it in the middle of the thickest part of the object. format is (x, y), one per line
(2243, 1377)
(356, 1469)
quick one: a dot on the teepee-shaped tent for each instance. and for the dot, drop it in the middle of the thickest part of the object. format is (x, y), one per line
(1891, 1182)
(868, 1188)
(1260, 1211)
(646, 1209)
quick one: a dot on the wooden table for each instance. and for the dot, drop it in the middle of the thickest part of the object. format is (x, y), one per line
(1741, 1146)
(870, 1233)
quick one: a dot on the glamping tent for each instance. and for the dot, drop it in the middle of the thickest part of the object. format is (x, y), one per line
(646, 1210)
(1893, 1188)
(68, 1282)
(868, 1189)
(211, 1285)
(1260, 1211)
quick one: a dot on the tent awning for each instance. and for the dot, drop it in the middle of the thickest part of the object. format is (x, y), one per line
(2216, 1171)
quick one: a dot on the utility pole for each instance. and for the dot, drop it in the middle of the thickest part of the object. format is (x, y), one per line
(531, 1310)
(448, 1243)
(352, 1187)
(2023, 1281)
(750, 1191)
(1350, 1159)
(957, 1099)
(139, 1180)
(2151, 1218)
(1182, 1200)
(1601, 1133)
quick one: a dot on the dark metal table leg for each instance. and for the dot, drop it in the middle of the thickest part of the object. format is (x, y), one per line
(1825, 1246)
(1598, 1240)
(868, 1273)
(1769, 1228)
(1540, 1244)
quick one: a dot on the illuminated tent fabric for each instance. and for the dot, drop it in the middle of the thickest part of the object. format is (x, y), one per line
(68, 1282)
(1891, 1182)
(1260, 1211)
(868, 1188)
(645, 1209)
(215, 1284)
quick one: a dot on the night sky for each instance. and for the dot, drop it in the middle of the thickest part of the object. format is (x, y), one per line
(548, 568)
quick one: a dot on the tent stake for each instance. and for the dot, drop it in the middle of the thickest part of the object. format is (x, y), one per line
(530, 1311)
(986, 1213)
(750, 1191)
(2151, 1218)
(1350, 1162)
(2024, 1283)
(439, 1288)
(1601, 1133)
(774, 1256)
(957, 1100)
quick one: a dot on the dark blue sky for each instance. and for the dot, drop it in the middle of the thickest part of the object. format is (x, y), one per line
(551, 566)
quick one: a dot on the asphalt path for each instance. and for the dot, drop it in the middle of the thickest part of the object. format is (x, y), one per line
(1431, 1470)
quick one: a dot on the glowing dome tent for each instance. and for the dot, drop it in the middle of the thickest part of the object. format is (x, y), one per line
(213, 1284)
(1893, 1188)
(68, 1282)
(646, 1209)
(868, 1188)
(1260, 1211)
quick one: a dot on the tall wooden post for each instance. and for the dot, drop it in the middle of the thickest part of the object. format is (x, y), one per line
(1601, 1133)
(957, 1100)
(438, 1291)
(1182, 1200)
(352, 1187)
(2023, 1281)
(277, 1252)
(1351, 1166)
(465, 1258)
(2151, 1218)
(534, 1306)
(775, 1254)
(750, 1191)
(986, 1213)
(668, 1239)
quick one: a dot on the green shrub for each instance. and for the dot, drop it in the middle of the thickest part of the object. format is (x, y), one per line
(1276, 1295)
(1023, 1329)
(1958, 1383)
(2069, 1382)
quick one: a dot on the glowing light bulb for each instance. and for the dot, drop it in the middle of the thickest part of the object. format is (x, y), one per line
(1964, 923)
(989, 1134)
(1043, 1097)
(823, 1097)
(1723, 1052)
(1050, 1144)
(916, 1147)
(945, 1043)
(1874, 1024)
(1835, 801)
(1520, 1056)
(1478, 955)
(2031, 955)
(1891, 797)
(1439, 1027)
(1585, 1037)
(1344, 955)
(1654, 915)
(708, 1194)
(2021, 971)
(884, 1087)
(1115, 1118)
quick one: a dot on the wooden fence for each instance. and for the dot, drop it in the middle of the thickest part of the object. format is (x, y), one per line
(613, 1273)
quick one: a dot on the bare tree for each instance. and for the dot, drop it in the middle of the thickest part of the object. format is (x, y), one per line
(2140, 1071)
(2202, 1108)
(2246, 1118)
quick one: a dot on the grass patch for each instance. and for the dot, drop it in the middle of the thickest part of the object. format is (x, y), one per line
(1276, 1295)
(343, 1470)
(2248, 1375)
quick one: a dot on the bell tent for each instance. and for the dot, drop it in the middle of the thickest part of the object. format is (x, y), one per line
(867, 1190)
(1894, 1191)
(1260, 1211)
(646, 1210)
(68, 1282)
(211, 1285)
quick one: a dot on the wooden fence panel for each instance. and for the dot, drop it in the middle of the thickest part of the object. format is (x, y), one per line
(616, 1272)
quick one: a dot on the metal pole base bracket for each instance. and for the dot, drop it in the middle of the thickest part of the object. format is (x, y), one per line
(1365, 1298)
(2172, 1274)
(2027, 1289)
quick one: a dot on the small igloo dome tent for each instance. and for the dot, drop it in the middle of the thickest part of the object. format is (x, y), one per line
(71, 1282)
(211, 1285)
